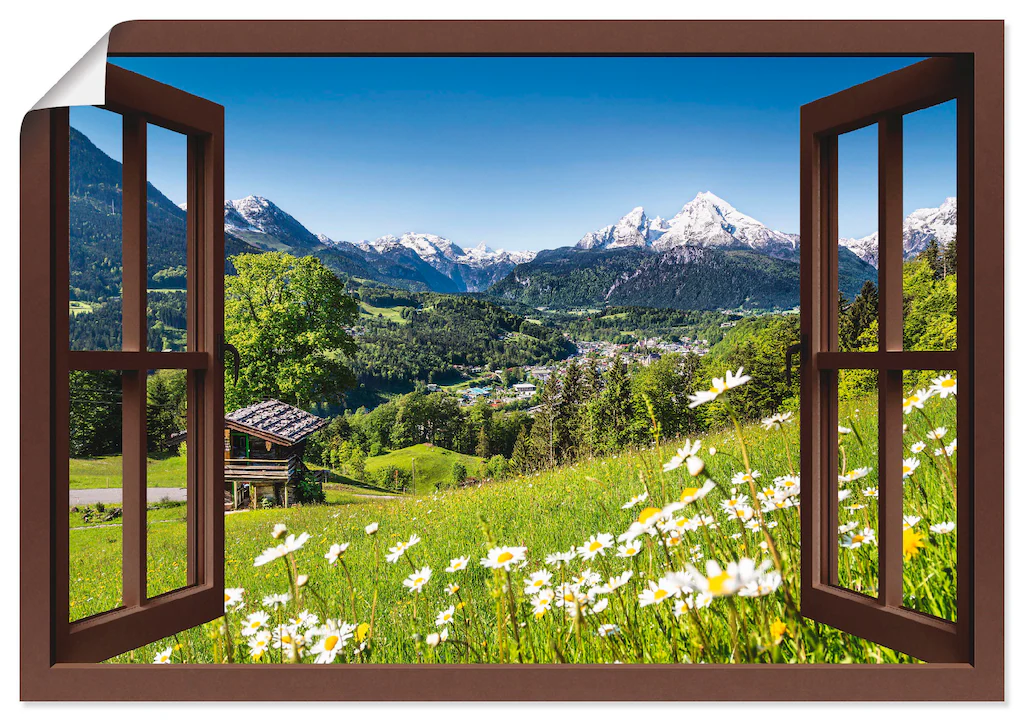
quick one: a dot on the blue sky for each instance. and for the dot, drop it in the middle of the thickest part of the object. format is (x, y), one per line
(528, 153)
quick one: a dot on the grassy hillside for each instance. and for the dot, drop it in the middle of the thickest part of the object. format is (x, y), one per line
(557, 511)
(433, 464)
(105, 472)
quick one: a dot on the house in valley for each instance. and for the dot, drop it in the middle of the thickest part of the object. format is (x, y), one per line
(263, 448)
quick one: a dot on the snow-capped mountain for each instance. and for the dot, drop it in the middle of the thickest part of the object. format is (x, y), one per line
(633, 230)
(420, 259)
(473, 270)
(706, 221)
(919, 228)
(865, 248)
(263, 224)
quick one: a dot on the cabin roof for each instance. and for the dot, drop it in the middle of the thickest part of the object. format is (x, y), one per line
(275, 421)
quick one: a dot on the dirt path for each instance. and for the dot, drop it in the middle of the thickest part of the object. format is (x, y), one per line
(89, 496)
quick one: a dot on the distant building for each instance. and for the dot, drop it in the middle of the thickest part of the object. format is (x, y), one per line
(524, 389)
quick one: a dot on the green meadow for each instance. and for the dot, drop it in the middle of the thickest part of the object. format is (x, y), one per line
(493, 617)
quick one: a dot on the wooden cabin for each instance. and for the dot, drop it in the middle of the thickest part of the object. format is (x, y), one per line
(263, 448)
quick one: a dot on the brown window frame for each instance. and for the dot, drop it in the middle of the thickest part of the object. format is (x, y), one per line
(141, 619)
(883, 101)
(980, 677)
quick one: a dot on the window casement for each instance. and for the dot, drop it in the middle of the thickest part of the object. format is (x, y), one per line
(883, 102)
(142, 618)
(965, 657)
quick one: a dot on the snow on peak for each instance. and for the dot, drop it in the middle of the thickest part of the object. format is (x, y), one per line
(438, 251)
(707, 220)
(919, 228)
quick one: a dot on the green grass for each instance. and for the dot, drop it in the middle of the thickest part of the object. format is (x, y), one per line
(556, 511)
(433, 464)
(392, 314)
(105, 472)
(79, 306)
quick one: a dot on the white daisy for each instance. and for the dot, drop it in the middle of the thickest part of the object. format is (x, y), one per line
(856, 539)
(536, 581)
(399, 549)
(944, 385)
(275, 600)
(658, 592)
(504, 557)
(742, 477)
(457, 564)
(774, 423)
(417, 580)
(254, 622)
(163, 656)
(332, 638)
(916, 400)
(445, 617)
(335, 552)
(628, 550)
(635, 500)
(942, 528)
(595, 546)
(232, 597)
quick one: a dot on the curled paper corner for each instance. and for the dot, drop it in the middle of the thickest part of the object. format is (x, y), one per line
(84, 84)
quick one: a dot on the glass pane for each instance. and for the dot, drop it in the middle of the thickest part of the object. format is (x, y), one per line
(94, 225)
(929, 228)
(167, 245)
(166, 481)
(858, 240)
(858, 481)
(930, 492)
(94, 500)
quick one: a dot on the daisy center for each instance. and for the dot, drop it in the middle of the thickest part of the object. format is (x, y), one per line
(330, 642)
(716, 584)
(505, 557)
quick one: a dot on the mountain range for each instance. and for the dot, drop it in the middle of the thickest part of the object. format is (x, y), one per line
(708, 255)
(919, 229)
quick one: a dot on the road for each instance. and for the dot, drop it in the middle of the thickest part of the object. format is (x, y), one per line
(89, 496)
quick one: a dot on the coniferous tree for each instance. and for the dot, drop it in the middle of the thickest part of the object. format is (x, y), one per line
(522, 453)
(949, 258)
(931, 255)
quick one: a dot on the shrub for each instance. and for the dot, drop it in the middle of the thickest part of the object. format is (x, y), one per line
(458, 473)
(307, 490)
(393, 478)
(498, 467)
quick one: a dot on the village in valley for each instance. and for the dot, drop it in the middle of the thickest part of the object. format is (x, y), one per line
(480, 383)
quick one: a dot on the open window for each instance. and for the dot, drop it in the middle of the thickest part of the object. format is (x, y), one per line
(118, 369)
(884, 615)
(62, 643)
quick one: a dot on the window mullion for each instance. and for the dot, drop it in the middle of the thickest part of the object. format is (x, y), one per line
(890, 338)
(134, 338)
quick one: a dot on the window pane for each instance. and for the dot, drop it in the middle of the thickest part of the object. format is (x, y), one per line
(858, 481)
(94, 226)
(857, 255)
(166, 481)
(929, 228)
(167, 245)
(95, 492)
(930, 492)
